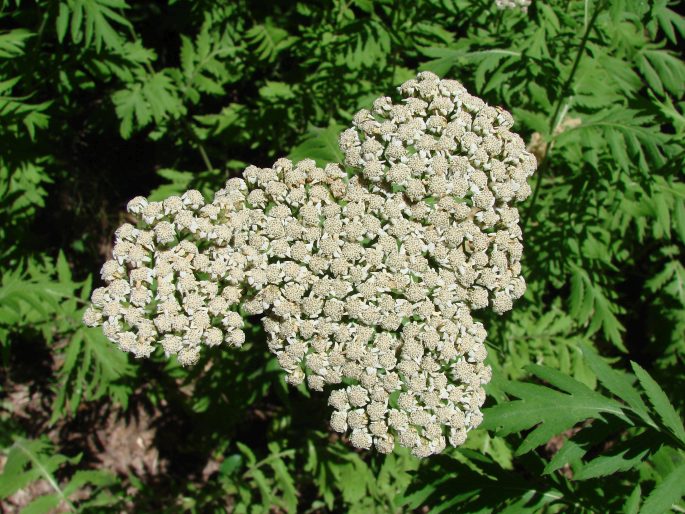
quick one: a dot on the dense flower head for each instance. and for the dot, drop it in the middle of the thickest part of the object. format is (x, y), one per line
(367, 274)
(514, 4)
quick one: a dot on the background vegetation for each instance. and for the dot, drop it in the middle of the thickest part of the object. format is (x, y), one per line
(102, 100)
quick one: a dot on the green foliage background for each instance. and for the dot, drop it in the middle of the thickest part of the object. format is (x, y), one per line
(102, 100)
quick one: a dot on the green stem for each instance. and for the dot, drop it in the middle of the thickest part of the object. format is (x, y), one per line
(555, 120)
(274, 456)
(45, 474)
(204, 155)
(187, 127)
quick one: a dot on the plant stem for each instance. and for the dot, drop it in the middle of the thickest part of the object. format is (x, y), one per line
(45, 474)
(555, 120)
(205, 157)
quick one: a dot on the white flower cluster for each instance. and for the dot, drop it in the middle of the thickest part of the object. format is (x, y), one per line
(367, 278)
(179, 277)
(514, 4)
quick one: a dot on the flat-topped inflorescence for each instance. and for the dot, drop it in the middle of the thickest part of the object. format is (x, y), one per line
(367, 275)
(514, 4)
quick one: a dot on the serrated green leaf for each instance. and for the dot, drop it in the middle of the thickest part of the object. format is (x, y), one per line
(274, 91)
(632, 505)
(660, 402)
(320, 144)
(231, 465)
(62, 22)
(548, 410)
(666, 493)
(42, 504)
(622, 458)
(616, 382)
(569, 453)
(92, 21)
